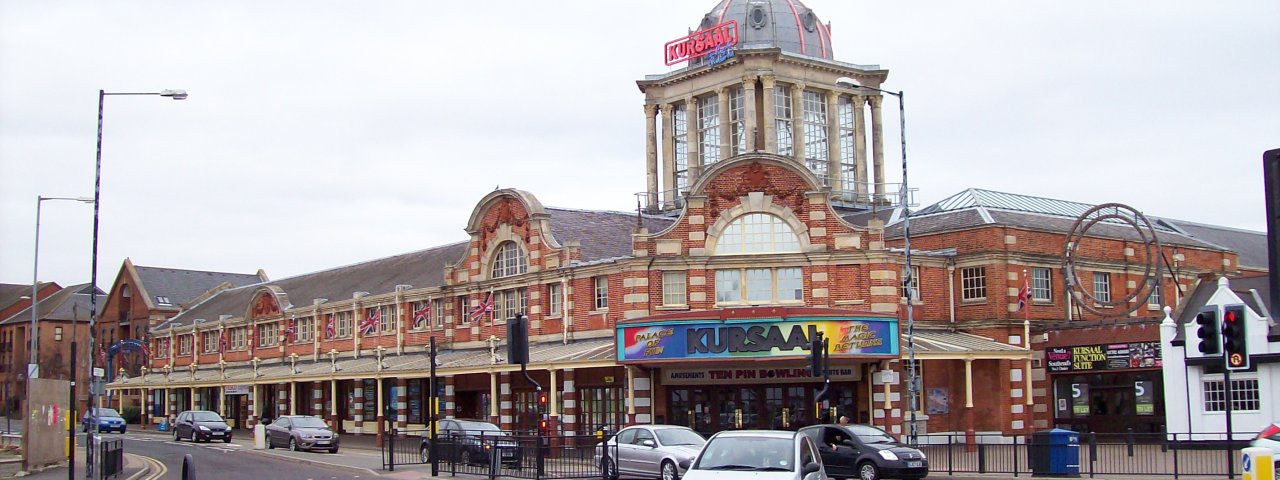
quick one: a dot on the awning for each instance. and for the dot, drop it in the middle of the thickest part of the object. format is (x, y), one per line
(945, 344)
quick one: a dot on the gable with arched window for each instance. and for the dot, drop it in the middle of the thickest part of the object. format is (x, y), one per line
(508, 260)
(757, 233)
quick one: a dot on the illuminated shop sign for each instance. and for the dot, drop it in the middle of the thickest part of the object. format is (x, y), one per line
(763, 338)
(702, 42)
(747, 375)
(1108, 356)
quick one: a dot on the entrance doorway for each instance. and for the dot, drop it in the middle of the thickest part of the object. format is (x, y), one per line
(774, 407)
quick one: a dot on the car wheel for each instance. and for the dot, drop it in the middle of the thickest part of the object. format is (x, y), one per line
(226, 439)
(333, 450)
(669, 471)
(194, 438)
(868, 471)
(293, 444)
(609, 469)
(425, 453)
(176, 437)
(271, 444)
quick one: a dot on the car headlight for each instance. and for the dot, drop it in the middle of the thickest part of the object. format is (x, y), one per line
(887, 455)
(204, 428)
(922, 456)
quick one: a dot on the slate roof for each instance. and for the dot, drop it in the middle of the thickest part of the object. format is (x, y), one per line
(602, 234)
(180, 287)
(11, 293)
(1249, 245)
(71, 303)
(421, 269)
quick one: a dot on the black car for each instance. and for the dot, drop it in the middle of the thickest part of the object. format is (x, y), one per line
(866, 453)
(197, 425)
(469, 442)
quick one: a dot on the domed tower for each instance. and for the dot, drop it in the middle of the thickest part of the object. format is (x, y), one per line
(760, 76)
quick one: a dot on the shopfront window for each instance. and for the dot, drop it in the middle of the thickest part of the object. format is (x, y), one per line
(1111, 402)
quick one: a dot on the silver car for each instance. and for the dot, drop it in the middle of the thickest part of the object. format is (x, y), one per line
(758, 455)
(662, 451)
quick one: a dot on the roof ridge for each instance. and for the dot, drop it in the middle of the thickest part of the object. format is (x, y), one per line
(316, 272)
(615, 212)
(1216, 227)
(194, 271)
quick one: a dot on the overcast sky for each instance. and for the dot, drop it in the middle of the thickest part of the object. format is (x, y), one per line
(319, 134)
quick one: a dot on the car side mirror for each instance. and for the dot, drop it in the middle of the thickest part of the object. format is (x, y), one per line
(649, 443)
(811, 467)
(848, 443)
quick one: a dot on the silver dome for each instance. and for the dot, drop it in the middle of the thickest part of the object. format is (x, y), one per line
(785, 24)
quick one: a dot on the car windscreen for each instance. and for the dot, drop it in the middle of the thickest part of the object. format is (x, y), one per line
(748, 454)
(309, 422)
(871, 434)
(205, 417)
(680, 436)
(478, 427)
(107, 412)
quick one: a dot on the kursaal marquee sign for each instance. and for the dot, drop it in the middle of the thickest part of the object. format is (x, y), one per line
(717, 38)
(763, 338)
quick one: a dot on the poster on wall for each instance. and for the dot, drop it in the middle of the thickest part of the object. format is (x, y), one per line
(1080, 399)
(938, 401)
(1107, 356)
(754, 339)
(1145, 396)
(415, 402)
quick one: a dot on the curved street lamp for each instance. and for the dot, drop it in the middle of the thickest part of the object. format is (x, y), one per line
(35, 283)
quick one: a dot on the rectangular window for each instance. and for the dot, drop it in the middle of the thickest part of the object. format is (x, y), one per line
(1041, 284)
(304, 329)
(601, 407)
(848, 161)
(438, 306)
(509, 303)
(709, 129)
(268, 334)
(680, 139)
(782, 119)
(913, 289)
(673, 288)
(555, 298)
(461, 312)
(815, 134)
(737, 125)
(759, 286)
(728, 286)
(57, 334)
(210, 342)
(238, 336)
(344, 323)
(390, 318)
(1244, 395)
(1156, 300)
(416, 321)
(973, 283)
(184, 345)
(790, 284)
(1102, 286)
(601, 292)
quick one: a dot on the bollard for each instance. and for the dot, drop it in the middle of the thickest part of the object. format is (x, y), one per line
(259, 437)
(188, 467)
(1257, 463)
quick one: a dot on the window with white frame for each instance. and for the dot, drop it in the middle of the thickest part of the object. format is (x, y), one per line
(268, 334)
(390, 317)
(509, 260)
(508, 303)
(304, 329)
(673, 288)
(438, 309)
(420, 307)
(848, 161)
(184, 345)
(680, 140)
(1244, 395)
(709, 129)
(815, 134)
(913, 288)
(1155, 300)
(737, 119)
(757, 233)
(239, 337)
(759, 286)
(973, 283)
(209, 342)
(782, 119)
(1102, 286)
(343, 324)
(601, 290)
(1041, 284)
(555, 298)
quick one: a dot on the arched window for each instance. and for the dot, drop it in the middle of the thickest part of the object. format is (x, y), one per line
(508, 261)
(757, 233)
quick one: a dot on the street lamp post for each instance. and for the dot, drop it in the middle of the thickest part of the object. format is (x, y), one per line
(907, 277)
(93, 281)
(35, 284)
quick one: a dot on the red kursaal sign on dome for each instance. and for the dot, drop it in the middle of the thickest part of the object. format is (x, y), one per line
(702, 42)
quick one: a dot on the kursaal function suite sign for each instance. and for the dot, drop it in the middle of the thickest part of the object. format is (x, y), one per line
(698, 44)
(756, 338)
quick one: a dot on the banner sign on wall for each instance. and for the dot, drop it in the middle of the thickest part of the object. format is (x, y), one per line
(763, 338)
(747, 375)
(1109, 356)
(1145, 395)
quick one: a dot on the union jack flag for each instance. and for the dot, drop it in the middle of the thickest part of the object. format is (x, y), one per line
(146, 350)
(1024, 294)
(289, 332)
(372, 319)
(331, 327)
(484, 308)
(102, 356)
(423, 316)
(222, 342)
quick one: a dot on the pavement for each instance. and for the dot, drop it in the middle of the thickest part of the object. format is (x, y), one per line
(135, 467)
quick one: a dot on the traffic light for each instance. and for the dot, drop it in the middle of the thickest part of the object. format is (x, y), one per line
(1208, 331)
(518, 340)
(1234, 339)
(817, 365)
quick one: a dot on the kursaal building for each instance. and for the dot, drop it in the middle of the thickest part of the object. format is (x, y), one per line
(766, 220)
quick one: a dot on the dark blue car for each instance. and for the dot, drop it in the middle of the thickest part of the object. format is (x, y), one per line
(109, 420)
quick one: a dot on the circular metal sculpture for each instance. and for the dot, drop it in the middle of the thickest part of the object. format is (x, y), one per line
(1111, 213)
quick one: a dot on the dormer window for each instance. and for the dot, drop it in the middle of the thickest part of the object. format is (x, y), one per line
(509, 260)
(163, 301)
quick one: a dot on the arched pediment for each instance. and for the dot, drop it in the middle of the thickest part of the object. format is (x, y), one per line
(268, 301)
(755, 177)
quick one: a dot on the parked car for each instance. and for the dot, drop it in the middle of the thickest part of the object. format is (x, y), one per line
(866, 453)
(108, 419)
(1270, 438)
(469, 442)
(662, 451)
(197, 425)
(758, 455)
(301, 432)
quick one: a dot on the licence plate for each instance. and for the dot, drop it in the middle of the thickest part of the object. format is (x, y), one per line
(322, 442)
(216, 434)
(916, 464)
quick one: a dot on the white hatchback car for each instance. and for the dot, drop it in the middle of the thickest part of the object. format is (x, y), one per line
(758, 455)
(1270, 438)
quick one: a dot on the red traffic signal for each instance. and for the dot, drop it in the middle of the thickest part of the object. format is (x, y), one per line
(1235, 345)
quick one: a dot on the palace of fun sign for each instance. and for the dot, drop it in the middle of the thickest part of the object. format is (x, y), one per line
(702, 42)
(763, 338)
(1109, 356)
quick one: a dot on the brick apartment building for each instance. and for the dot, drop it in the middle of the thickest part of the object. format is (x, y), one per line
(697, 309)
(62, 316)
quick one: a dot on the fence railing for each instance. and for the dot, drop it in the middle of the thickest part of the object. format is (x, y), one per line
(1157, 454)
(497, 454)
(110, 458)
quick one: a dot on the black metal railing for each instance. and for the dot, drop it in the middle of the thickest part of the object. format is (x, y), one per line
(110, 458)
(499, 454)
(1156, 454)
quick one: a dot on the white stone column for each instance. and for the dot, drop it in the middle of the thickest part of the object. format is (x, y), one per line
(749, 126)
(668, 155)
(797, 123)
(833, 141)
(860, 144)
(293, 398)
(693, 139)
(770, 115)
(553, 396)
(877, 143)
(651, 153)
(968, 382)
(493, 395)
(726, 135)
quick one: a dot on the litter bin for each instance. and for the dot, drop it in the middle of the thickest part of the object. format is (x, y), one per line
(1055, 453)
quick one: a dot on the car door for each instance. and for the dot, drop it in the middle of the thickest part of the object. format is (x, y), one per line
(177, 425)
(625, 450)
(645, 458)
(844, 458)
(280, 431)
(447, 436)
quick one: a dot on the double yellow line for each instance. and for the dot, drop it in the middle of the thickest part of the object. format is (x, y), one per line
(157, 469)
